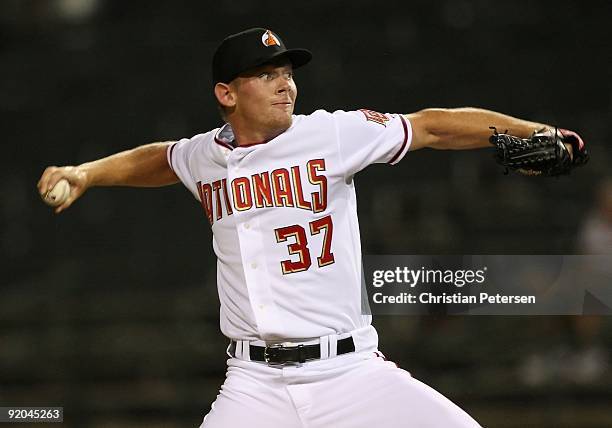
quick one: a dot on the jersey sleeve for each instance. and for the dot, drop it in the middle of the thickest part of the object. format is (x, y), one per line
(179, 155)
(366, 137)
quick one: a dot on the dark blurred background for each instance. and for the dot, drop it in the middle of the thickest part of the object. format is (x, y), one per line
(110, 309)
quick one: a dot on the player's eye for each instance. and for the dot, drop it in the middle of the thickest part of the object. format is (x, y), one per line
(266, 75)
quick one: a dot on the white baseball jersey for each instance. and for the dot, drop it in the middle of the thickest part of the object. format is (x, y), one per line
(284, 220)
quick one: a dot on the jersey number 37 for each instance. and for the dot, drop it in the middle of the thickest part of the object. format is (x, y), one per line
(299, 246)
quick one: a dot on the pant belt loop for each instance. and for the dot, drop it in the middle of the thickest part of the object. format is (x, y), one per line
(246, 350)
(324, 344)
(333, 345)
(239, 349)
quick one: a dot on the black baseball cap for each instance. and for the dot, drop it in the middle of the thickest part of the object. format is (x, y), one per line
(249, 49)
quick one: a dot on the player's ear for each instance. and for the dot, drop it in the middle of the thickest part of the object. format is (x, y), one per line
(225, 95)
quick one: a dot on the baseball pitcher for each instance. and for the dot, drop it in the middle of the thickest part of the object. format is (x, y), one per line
(278, 192)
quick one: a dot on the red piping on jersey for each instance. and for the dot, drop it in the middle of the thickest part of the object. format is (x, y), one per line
(229, 146)
(253, 144)
(405, 140)
(170, 156)
(224, 144)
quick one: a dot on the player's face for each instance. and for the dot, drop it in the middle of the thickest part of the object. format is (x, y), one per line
(265, 97)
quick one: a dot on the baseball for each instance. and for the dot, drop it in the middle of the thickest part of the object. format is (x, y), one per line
(58, 194)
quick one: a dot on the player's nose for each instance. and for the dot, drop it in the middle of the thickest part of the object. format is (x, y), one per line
(282, 87)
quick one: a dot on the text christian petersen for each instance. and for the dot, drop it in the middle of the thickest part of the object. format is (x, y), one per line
(454, 279)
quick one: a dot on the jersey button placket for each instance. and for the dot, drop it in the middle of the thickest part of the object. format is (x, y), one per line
(252, 252)
(246, 237)
(257, 276)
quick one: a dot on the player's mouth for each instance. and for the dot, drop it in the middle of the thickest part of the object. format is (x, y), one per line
(284, 106)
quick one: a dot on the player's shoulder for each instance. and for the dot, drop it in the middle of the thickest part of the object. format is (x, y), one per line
(319, 120)
(346, 120)
(202, 138)
(365, 115)
(315, 115)
(198, 147)
(362, 115)
(325, 114)
(199, 141)
(322, 116)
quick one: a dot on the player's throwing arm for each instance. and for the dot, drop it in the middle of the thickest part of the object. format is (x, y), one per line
(144, 166)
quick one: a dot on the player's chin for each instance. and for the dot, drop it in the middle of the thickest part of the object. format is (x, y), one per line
(282, 119)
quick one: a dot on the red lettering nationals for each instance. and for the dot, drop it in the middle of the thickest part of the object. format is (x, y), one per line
(281, 187)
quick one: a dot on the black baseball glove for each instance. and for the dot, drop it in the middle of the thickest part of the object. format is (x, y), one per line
(544, 153)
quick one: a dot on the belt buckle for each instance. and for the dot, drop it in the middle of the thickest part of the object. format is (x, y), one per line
(269, 353)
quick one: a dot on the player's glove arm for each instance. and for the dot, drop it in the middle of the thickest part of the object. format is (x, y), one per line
(144, 166)
(528, 147)
(463, 128)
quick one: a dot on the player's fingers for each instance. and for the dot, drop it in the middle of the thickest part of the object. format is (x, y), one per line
(65, 205)
(75, 193)
(54, 174)
(52, 180)
(43, 183)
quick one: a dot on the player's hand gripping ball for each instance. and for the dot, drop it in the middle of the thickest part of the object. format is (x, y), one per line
(59, 193)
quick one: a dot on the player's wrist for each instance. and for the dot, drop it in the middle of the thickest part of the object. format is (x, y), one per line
(85, 175)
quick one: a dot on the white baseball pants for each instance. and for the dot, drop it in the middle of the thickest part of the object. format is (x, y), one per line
(356, 390)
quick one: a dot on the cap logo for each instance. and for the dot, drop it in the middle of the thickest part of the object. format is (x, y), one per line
(269, 39)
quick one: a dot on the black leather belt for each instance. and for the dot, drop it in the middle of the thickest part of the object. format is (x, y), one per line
(281, 354)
